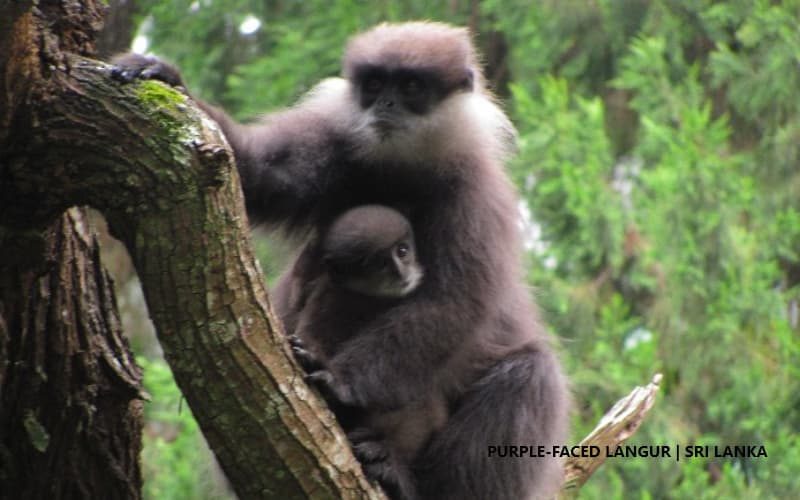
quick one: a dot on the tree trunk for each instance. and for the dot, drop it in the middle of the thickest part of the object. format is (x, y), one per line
(117, 32)
(71, 419)
(163, 176)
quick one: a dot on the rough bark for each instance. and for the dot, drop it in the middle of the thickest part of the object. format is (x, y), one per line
(162, 175)
(70, 404)
(71, 419)
(117, 32)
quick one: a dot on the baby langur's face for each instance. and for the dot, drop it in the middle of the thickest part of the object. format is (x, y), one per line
(389, 273)
(370, 250)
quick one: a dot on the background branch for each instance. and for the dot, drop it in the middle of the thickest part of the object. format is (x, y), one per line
(616, 426)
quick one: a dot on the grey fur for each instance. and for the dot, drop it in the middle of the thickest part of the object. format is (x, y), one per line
(370, 250)
(360, 279)
(470, 331)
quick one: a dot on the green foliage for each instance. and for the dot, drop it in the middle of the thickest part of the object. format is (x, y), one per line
(659, 159)
(177, 464)
(297, 44)
(567, 168)
(680, 256)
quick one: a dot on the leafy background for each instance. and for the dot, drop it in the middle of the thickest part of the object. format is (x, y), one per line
(659, 165)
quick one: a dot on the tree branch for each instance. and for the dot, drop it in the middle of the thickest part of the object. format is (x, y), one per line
(163, 175)
(616, 426)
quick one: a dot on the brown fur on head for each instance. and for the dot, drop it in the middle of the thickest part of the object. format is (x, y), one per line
(362, 251)
(367, 228)
(445, 49)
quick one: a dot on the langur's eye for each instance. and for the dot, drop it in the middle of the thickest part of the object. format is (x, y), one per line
(412, 86)
(401, 250)
(372, 85)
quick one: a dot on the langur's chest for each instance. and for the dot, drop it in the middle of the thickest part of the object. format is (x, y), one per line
(409, 189)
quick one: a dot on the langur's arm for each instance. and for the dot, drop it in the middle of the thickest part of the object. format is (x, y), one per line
(283, 161)
(288, 166)
(413, 346)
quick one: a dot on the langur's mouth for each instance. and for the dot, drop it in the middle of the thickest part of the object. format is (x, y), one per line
(411, 283)
(384, 127)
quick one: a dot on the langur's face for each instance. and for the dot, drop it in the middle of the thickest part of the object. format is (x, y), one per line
(389, 273)
(396, 98)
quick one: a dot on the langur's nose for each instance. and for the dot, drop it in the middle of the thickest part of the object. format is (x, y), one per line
(387, 103)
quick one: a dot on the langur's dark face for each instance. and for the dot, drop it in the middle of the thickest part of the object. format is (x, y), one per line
(390, 273)
(395, 96)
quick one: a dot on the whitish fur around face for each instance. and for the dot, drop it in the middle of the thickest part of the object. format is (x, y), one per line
(465, 121)
(385, 283)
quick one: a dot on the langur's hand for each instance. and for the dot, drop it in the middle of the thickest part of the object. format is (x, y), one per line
(375, 456)
(335, 392)
(307, 359)
(129, 67)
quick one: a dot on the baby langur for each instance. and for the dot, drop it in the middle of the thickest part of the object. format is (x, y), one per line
(369, 251)
(368, 263)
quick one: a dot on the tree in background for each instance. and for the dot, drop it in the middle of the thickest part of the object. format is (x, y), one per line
(670, 241)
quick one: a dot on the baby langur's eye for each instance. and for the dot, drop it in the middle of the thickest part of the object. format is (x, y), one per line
(401, 250)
